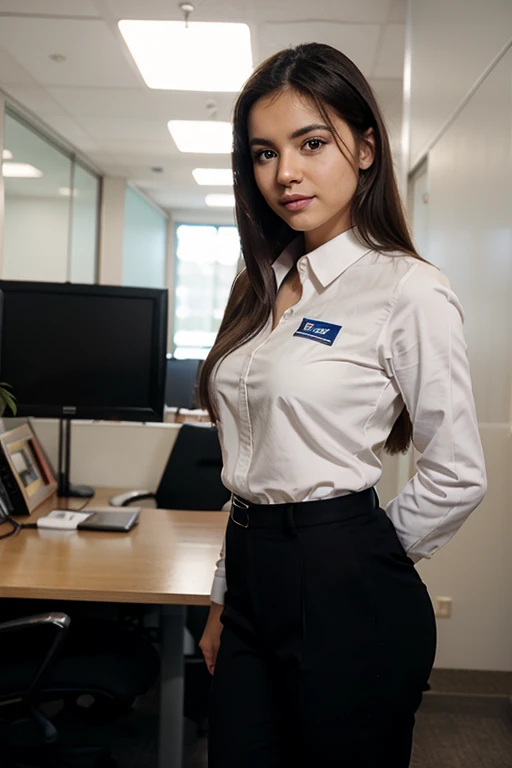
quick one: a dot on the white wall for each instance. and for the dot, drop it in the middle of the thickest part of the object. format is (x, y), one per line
(467, 231)
(452, 45)
(36, 239)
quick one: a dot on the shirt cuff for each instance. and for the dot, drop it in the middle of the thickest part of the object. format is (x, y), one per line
(218, 589)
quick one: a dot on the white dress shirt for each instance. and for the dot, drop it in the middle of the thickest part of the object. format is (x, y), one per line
(305, 409)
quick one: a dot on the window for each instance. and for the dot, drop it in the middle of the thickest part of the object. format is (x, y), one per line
(206, 265)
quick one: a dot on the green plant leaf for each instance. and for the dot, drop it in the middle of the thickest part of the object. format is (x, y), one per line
(9, 400)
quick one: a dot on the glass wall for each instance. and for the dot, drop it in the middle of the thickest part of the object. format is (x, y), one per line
(144, 243)
(206, 265)
(51, 210)
(84, 226)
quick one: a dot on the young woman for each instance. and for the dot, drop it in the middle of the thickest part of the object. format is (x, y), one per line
(338, 341)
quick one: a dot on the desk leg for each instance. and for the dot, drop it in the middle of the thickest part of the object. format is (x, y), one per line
(172, 624)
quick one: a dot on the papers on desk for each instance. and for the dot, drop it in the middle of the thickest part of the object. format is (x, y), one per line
(63, 520)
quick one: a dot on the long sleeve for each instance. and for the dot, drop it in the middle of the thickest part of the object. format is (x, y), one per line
(219, 579)
(425, 351)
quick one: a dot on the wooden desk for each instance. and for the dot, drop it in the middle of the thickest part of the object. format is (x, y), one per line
(168, 559)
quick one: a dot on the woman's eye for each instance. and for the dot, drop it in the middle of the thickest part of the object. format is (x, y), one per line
(315, 143)
(264, 154)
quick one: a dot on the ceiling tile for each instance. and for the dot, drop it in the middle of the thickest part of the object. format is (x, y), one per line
(174, 198)
(73, 132)
(155, 152)
(50, 7)
(133, 129)
(206, 10)
(357, 41)
(361, 11)
(123, 103)
(390, 60)
(94, 56)
(35, 98)
(11, 72)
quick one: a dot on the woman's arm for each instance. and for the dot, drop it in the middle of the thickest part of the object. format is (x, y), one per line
(425, 352)
(210, 640)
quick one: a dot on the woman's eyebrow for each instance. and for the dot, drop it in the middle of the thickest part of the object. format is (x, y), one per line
(295, 135)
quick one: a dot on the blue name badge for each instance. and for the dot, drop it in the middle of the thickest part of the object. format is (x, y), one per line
(318, 330)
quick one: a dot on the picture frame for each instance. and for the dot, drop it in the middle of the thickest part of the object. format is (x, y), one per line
(26, 478)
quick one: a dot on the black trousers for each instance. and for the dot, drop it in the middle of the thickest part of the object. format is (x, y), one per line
(328, 642)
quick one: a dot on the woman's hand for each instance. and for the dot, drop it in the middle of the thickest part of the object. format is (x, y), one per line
(210, 640)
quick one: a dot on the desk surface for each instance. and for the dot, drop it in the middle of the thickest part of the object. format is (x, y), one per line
(168, 558)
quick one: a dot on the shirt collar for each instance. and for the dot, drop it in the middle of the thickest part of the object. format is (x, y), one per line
(327, 262)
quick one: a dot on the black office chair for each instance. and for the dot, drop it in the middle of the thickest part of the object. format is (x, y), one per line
(111, 664)
(19, 700)
(191, 480)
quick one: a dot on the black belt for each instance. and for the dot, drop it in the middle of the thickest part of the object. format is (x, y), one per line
(304, 513)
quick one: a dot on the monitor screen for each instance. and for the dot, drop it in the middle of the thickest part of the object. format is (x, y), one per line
(181, 382)
(85, 351)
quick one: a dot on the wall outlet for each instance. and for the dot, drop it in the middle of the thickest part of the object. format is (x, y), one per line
(443, 607)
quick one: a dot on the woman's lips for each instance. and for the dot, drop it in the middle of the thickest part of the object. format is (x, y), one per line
(299, 205)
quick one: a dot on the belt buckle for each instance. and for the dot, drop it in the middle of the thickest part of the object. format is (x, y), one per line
(241, 505)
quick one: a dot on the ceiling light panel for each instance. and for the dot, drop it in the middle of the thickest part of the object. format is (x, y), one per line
(6, 155)
(213, 177)
(203, 56)
(202, 136)
(220, 201)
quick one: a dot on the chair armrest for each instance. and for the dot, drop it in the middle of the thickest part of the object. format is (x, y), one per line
(125, 499)
(60, 622)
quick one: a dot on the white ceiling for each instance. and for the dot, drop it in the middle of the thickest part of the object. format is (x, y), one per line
(97, 100)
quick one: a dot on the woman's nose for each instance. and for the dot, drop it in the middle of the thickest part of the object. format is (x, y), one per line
(289, 170)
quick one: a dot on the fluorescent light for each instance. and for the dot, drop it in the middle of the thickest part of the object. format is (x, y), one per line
(208, 136)
(203, 56)
(20, 171)
(220, 201)
(213, 177)
(6, 155)
(66, 192)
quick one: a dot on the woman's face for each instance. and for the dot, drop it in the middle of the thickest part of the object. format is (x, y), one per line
(296, 156)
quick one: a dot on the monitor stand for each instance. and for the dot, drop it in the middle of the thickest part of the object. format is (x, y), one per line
(65, 488)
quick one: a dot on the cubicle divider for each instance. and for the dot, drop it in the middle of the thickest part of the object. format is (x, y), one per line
(116, 454)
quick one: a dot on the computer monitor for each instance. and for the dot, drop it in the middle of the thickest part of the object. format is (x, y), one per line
(84, 351)
(181, 383)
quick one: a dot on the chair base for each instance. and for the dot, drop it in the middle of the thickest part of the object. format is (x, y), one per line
(50, 756)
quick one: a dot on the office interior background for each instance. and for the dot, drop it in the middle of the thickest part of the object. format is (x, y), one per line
(106, 196)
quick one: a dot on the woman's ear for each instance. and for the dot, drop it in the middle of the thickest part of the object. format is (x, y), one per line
(367, 149)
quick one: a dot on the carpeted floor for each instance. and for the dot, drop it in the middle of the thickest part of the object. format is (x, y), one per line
(465, 721)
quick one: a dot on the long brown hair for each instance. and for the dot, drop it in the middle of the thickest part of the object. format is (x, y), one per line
(328, 79)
